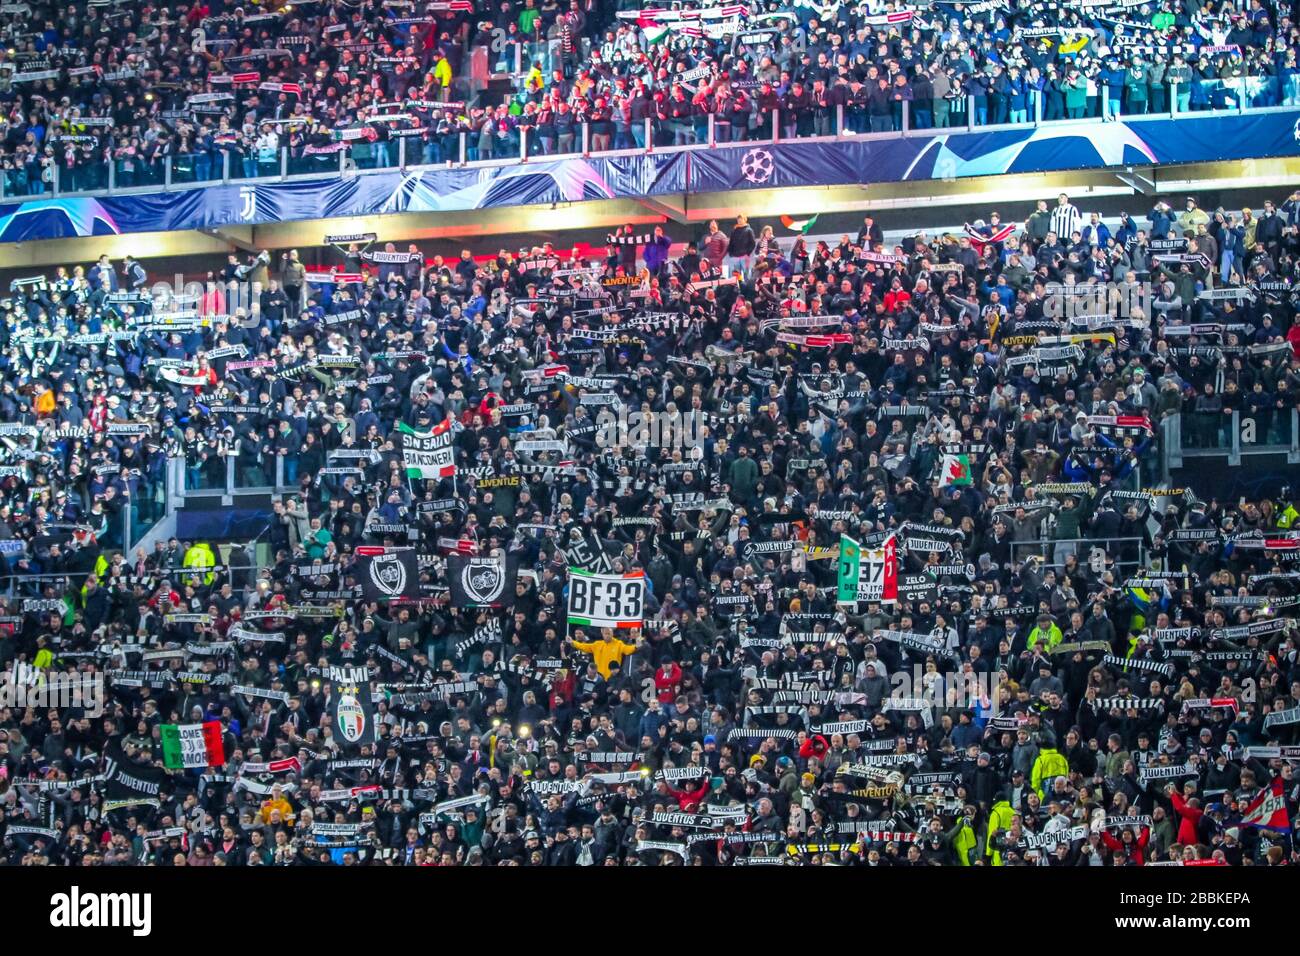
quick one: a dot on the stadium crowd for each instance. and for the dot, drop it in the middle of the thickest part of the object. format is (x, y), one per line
(1082, 666)
(213, 88)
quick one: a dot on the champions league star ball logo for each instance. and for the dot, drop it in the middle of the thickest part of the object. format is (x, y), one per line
(388, 574)
(757, 165)
(482, 582)
(1295, 131)
(351, 718)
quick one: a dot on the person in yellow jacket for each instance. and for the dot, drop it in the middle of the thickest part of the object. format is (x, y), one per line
(535, 82)
(1134, 641)
(1047, 631)
(277, 802)
(962, 837)
(1073, 44)
(1000, 818)
(441, 70)
(200, 555)
(1049, 763)
(606, 650)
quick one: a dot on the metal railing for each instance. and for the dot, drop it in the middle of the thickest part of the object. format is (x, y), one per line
(1129, 553)
(196, 170)
(229, 480)
(121, 534)
(15, 585)
(1232, 434)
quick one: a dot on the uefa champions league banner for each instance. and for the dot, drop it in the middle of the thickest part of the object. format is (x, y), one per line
(927, 154)
(949, 154)
(390, 191)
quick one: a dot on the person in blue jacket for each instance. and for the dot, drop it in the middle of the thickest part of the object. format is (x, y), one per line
(1111, 80)
(1161, 218)
(1017, 93)
(656, 252)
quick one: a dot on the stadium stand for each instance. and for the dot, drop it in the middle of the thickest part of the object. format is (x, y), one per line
(733, 545)
(191, 94)
(922, 398)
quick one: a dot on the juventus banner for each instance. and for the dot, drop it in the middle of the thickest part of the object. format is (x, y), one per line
(388, 574)
(481, 582)
(351, 715)
(606, 600)
(129, 783)
(428, 454)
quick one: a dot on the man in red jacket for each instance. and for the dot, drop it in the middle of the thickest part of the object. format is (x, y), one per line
(668, 681)
(1189, 814)
(688, 800)
(1293, 336)
(1135, 847)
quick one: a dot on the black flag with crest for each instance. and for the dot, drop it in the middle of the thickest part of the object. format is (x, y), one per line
(388, 574)
(481, 581)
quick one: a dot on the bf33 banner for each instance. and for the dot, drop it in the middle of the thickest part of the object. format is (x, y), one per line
(606, 600)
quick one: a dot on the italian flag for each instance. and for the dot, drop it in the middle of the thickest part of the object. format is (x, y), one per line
(428, 454)
(798, 225)
(955, 470)
(188, 746)
(655, 32)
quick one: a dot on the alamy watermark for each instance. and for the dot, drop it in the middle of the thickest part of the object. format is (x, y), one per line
(976, 690)
(23, 686)
(85, 910)
(637, 429)
(213, 296)
(1096, 305)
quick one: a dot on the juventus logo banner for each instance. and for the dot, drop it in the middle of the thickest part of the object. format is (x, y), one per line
(129, 783)
(428, 454)
(481, 582)
(352, 717)
(388, 574)
(606, 600)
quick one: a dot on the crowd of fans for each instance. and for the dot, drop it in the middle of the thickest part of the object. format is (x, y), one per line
(1083, 666)
(219, 88)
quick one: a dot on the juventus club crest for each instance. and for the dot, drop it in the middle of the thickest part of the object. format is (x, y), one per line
(483, 582)
(388, 575)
